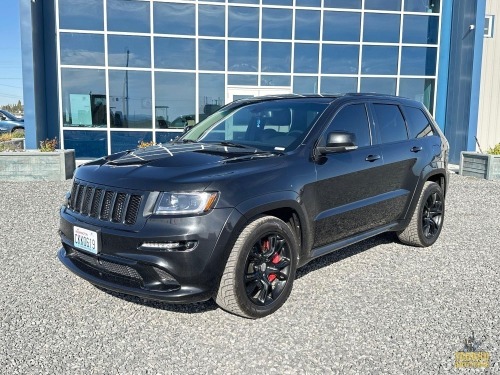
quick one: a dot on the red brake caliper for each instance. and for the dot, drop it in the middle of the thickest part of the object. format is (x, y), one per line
(275, 260)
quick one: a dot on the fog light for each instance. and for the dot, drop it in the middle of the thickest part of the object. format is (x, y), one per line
(169, 246)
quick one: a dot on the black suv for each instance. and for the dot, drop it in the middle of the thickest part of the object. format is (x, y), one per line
(263, 186)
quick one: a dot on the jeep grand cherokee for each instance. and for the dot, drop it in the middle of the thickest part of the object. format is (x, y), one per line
(263, 186)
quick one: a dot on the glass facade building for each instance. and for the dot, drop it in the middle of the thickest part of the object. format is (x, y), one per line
(140, 70)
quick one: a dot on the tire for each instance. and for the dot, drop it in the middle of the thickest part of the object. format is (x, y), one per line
(427, 220)
(259, 273)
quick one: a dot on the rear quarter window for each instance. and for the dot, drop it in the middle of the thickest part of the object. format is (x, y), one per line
(418, 124)
(390, 123)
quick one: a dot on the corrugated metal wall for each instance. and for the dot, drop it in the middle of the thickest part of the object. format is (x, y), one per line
(489, 98)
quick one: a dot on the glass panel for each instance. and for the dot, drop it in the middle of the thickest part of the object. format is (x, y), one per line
(420, 89)
(418, 123)
(172, 18)
(209, 20)
(176, 94)
(86, 143)
(211, 54)
(212, 94)
(175, 53)
(341, 26)
(74, 14)
(243, 22)
(122, 141)
(350, 4)
(132, 51)
(306, 59)
(390, 123)
(276, 57)
(244, 1)
(82, 49)
(381, 28)
(278, 2)
(338, 84)
(379, 85)
(305, 85)
(420, 29)
(128, 15)
(276, 23)
(242, 79)
(383, 4)
(340, 59)
(419, 61)
(274, 80)
(242, 56)
(130, 99)
(83, 97)
(165, 137)
(352, 119)
(308, 3)
(379, 60)
(307, 24)
(426, 6)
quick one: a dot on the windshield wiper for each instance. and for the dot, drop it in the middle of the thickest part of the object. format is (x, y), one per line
(238, 145)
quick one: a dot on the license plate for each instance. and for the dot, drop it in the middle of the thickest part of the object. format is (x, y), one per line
(85, 239)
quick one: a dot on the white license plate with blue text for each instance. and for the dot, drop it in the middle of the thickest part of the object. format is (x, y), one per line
(85, 239)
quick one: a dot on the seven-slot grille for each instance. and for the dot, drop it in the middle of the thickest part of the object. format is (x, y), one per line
(104, 204)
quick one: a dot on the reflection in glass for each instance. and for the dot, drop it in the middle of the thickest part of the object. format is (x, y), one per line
(244, 1)
(308, 3)
(420, 29)
(349, 4)
(419, 61)
(82, 49)
(129, 51)
(175, 53)
(335, 85)
(211, 54)
(306, 59)
(382, 28)
(276, 57)
(130, 99)
(278, 2)
(242, 79)
(74, 14)
(307, 24)
(305, 85)
(378, 85)
(86, 143)
(83, 97)
(340, 59)
(242, 56)
(383, 4)
(426, 6)
(274, 80)
(243, 22)
(128, 15)
(341, 26)
(165, 137)
(209, 20)
(379, 60)
(123, 141)
(420, 89)
(276, 23)
(170, 18)
(211, 94)
(176, 95)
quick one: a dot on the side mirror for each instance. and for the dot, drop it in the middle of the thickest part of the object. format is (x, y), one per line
(339, 142)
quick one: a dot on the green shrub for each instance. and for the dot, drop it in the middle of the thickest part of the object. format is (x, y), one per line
(18, 134)
(495, 150)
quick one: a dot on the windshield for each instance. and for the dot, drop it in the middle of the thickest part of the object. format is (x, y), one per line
(275, 125)
(8, 115)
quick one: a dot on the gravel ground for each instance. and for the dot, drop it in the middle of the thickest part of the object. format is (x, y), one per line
(375, 307)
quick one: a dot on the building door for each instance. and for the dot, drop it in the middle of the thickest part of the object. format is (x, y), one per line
(241, 92)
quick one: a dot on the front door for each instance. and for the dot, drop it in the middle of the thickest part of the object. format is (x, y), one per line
(242, 92)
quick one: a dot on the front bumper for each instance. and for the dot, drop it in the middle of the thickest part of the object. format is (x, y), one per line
(171, 276)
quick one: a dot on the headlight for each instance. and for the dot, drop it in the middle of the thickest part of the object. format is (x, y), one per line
(185, 203)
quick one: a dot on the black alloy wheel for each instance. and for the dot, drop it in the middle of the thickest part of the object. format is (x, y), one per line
(432, 215)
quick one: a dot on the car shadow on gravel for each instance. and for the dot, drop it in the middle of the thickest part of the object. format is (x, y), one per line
(346, 252)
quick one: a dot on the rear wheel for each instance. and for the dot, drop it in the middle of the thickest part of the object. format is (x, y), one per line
(427, 220)
(259, 273)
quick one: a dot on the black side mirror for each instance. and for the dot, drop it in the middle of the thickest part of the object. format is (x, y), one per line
(339, 142)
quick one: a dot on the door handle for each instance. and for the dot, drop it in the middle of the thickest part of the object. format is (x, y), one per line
(416, 149)
(372, 158)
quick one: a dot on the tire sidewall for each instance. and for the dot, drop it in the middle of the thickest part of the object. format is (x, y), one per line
(430, 189)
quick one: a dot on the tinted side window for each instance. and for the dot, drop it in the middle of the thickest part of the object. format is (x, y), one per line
(352, 119)
(390, 123)
(418, 123)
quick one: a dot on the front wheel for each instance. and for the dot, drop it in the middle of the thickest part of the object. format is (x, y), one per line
(259, 273)
(427, 220)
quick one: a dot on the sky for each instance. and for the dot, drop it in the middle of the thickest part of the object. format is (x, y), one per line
(11, 82)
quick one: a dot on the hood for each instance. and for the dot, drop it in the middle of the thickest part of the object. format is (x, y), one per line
(173, 166)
